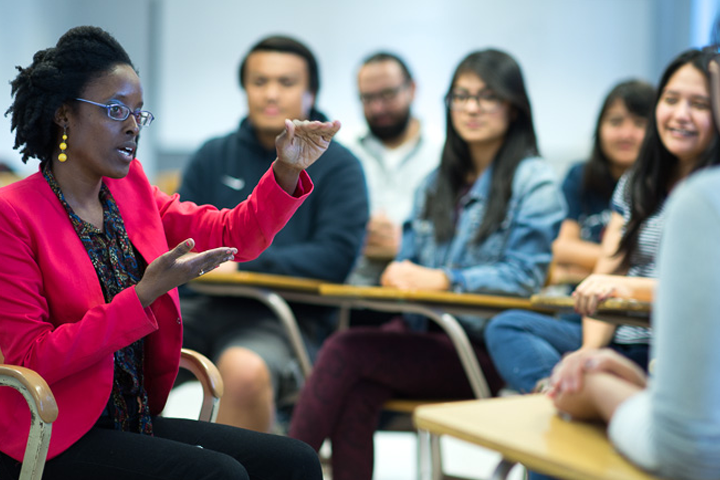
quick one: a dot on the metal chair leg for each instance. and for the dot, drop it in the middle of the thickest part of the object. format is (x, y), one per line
(502, 470)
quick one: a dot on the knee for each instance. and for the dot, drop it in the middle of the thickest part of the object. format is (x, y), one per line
(501, 323)
(245, 374)
(300, 461)
(343, 344)
(224, 466)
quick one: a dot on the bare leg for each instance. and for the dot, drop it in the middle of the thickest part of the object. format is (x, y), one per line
(248, 401)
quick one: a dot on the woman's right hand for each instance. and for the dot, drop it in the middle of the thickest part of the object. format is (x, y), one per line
(176, 267)
(596, 288)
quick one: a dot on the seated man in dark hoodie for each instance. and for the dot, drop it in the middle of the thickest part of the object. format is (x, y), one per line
(322, 240)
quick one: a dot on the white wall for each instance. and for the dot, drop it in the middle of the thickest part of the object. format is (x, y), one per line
(571, 51)
(27, 26)
(568, 56)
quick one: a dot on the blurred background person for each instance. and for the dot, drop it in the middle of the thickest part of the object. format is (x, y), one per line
(524, 345)
(281, 80)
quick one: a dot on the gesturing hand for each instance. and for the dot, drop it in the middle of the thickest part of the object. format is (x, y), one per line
(176, 267)
(302, 142)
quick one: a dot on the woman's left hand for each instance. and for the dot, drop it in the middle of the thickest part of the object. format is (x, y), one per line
(299, 146)
(303, 141)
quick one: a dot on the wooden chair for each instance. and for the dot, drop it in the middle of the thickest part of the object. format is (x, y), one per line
(44, 409)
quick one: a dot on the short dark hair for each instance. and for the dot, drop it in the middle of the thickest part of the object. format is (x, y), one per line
(389, 57)
(58, 75)
(283, 44)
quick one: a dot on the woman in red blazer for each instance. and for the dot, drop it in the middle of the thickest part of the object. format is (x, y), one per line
(91, 255)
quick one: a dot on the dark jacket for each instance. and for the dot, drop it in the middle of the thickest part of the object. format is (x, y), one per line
(323, 238)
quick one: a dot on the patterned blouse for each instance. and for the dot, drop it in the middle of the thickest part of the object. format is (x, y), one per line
(118, 266)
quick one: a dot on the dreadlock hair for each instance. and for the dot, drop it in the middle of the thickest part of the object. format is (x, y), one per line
(649, 181)
(502, 74)
(58, 75)
(637, 97)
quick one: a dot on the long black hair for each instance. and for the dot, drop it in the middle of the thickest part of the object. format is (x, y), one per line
(56, 76)
(649, 182)
(637, 96)
(502, 74)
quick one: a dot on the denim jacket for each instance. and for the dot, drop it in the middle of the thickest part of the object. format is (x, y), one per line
(511, 261)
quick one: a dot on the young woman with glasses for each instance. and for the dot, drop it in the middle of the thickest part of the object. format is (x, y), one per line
(483, 222)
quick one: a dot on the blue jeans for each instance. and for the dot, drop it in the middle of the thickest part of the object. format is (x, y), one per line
(525, 346)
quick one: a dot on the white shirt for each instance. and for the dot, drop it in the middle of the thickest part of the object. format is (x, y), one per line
(392, 175)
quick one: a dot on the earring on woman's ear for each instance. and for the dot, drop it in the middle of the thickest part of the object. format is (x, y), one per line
(63, 146)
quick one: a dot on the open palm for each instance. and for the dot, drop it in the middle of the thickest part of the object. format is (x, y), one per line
(303, 142)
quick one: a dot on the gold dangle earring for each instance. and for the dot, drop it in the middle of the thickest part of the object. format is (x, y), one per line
(63, 146)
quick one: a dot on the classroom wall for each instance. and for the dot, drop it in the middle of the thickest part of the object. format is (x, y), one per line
(571, 52)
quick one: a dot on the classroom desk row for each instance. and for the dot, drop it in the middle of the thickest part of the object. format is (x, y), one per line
(275, 291)
(549, 440)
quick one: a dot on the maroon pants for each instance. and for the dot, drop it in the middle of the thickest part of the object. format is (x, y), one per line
(357, 371)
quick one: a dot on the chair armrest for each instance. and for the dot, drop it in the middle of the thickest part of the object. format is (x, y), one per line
(44, 412)
(38, 390)
(210, 379)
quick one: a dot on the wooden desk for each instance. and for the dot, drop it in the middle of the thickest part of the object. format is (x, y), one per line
(526, 429)
(218, 280)
(613, 310)
(272, 290)
(426, 296)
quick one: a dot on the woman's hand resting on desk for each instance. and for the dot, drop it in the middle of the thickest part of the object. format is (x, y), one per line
(596, 288)
(298, 146)
(599, 287)
(176, 267)
(587, 382)
(407, 275)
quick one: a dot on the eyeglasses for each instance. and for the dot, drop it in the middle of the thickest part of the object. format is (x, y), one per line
(486, 101)
(120, 112)
(384, 96)
(714, 68)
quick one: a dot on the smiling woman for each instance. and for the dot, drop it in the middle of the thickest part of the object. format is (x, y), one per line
(89, 280)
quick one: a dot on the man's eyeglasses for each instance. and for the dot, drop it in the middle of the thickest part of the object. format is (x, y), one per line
(486, 101)
(385, 96)
(120, 112)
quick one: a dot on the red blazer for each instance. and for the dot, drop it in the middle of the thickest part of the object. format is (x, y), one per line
(53, 318)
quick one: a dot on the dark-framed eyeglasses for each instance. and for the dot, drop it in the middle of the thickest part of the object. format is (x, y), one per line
(386, 95)
(120, 112)
(487, 101)
(714, 67)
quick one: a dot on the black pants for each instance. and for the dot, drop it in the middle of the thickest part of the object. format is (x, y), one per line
(180, 449)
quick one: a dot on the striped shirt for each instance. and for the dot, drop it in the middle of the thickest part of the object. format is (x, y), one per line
(642, 260)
